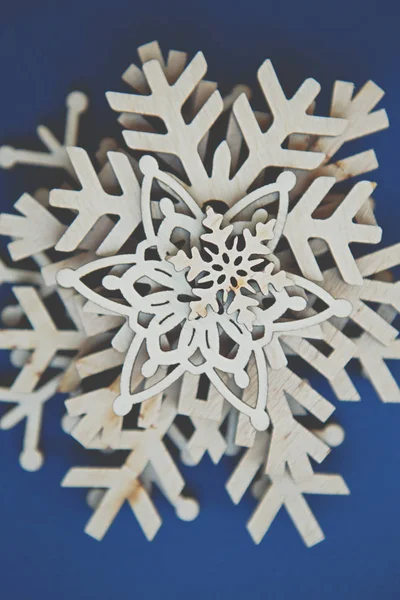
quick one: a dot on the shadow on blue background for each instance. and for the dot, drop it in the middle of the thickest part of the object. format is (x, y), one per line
(50, 48)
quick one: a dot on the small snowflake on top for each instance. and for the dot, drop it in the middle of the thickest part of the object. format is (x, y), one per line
(228, 269)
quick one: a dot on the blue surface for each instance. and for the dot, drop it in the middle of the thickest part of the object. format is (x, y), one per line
(49, 48)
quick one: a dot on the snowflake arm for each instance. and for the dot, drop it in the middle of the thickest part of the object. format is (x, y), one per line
(206, 437)
(373, 356)
(92, 202)
(338, 230)
(165, 102)
(265, 148)
(123, 484)
(29, 406)
(371, 290)
(341, 351)
(56, 156)
(37, 230)
(189, 403)
(285, 491)
(97, 416)
(287, 475)
(44, 338)
(10, 275)
(289, 116)
(361, 122)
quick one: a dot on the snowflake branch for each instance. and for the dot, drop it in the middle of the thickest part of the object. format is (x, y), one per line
(165, 101)
(56, 156)
(123, 483)
(92, 203)
(337, 231)
(44, 339)
(289, 116)
(37, 230)
(29, 406)
(371, 290)
(360, 122)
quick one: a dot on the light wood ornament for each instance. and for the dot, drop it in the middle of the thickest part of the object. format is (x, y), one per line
(192, 279)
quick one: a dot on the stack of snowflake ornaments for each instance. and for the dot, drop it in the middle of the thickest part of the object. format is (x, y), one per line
(190, 269)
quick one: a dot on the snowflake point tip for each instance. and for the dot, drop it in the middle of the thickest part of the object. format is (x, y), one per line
(286, 181)
(31, 460)
(122, 406)
(297, 303)
(78, 101)
(7, 157)
(149, 368)
(167, 207)
(342, 308)
(111, 282)
(66, 278)
(242, 379)
(148, 165)
(260, 421)
(187, 509)
(334, 435)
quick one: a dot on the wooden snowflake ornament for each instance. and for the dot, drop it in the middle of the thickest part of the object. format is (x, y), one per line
(192, 276)
(220, 299)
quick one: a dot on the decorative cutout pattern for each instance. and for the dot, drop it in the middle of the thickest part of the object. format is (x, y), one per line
(205, 320)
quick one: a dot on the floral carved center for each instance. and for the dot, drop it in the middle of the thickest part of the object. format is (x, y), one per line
(232, 272)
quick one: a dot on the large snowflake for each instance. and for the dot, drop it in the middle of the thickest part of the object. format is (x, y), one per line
(192, 288)
(215, 334)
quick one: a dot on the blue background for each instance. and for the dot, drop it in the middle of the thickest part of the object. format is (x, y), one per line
(50, 48)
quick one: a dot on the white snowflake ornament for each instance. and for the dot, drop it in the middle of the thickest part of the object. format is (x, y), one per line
(228, 288)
